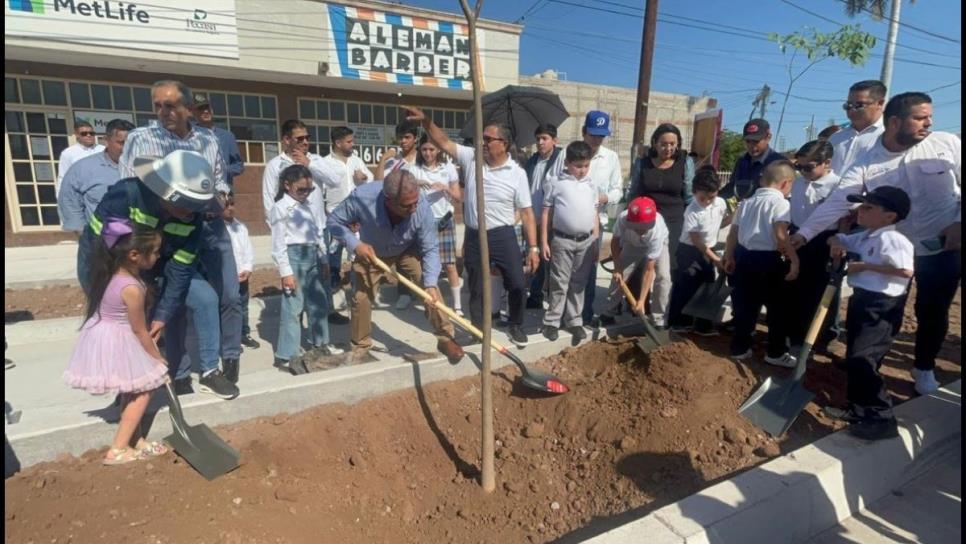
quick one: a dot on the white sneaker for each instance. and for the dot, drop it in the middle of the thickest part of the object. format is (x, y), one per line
(403, 302)
(926, 382)
(459, 312)
(339, 302)
(786, 360)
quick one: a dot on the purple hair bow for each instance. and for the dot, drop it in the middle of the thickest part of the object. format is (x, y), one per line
(114, 229)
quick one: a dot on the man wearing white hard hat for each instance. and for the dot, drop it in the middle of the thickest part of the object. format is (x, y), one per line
(169, 194)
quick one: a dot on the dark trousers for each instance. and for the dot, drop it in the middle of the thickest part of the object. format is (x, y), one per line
(759, 280)
(871, 321)
(505, 256)
(590, 290)
(937, 278)
(694, 270)
(807, 290)
(536, 284)
(243, 295)
(675, 226)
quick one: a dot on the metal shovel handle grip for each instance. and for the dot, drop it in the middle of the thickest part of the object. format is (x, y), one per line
(438, 305)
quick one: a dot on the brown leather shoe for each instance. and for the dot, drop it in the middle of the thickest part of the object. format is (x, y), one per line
(451, 350)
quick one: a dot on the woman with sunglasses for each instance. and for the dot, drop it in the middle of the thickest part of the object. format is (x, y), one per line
(299, 251)
(815, 183)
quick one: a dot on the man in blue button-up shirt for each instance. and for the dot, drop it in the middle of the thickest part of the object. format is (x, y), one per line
(227, 144)
(89, 178)
(397, 226)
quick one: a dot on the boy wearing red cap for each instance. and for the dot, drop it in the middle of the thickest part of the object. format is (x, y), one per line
(640, 239)
(753, 258)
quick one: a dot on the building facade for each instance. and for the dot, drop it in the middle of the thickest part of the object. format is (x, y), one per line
(259, 62)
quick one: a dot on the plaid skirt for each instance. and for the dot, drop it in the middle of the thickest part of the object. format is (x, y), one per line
(447, 244)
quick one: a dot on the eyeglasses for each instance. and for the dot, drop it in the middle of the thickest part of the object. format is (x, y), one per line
(304, 190)
(489, 140)
(805, 168)
(302, 139)
(86, 133)
(856, 106)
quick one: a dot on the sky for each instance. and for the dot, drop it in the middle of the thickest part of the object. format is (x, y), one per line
(590, 43)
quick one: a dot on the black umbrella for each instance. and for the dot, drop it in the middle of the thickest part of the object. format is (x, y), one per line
(522, 109)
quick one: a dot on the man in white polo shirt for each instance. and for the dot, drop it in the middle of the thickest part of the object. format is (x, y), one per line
(864, 110)
(928, 166)
(605, 170)
(507, 190)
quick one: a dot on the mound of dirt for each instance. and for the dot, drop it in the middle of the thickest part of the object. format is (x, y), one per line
(635, 433)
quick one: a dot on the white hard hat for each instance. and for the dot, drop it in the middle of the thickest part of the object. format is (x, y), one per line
(183, 178)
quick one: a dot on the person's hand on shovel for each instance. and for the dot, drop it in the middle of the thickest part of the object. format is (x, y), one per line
(365, 253)
(434, 297)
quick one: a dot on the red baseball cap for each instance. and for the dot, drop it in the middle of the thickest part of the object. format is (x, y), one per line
(642, 210)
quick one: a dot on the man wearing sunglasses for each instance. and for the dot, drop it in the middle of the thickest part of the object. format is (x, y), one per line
(85, 146)
(864, 110)
(227, 143)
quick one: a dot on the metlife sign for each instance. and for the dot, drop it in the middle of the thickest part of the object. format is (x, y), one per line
(196, 27)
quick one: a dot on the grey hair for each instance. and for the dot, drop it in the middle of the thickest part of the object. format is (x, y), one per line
(399, 181)
(187, 99)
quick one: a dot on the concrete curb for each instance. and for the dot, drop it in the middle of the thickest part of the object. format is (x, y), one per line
(797, 496)
(270, 392)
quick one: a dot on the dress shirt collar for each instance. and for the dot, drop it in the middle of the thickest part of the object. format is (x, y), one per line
(878, 232)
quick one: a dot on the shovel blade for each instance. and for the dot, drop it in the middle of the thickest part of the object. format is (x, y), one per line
(776, 404)
(545, 383)
(204, 451)
(708, 302)
(647, 345)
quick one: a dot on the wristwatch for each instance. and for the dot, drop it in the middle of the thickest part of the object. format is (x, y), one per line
(535, 249)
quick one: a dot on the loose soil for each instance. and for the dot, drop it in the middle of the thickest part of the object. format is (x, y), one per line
(634, 434)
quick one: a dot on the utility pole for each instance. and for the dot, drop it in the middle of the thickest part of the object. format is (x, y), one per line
(644, 75)
(760, 103)
(810, 130)
(890, 50)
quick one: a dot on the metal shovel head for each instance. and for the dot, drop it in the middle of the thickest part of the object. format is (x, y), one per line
(776, 404)
(204, 450)
(540, 381)
(708, 302)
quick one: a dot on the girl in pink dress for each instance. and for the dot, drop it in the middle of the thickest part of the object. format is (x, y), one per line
(114, 352)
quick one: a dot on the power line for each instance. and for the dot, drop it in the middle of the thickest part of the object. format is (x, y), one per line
(907, 25)
(944, 87)
(834, 22)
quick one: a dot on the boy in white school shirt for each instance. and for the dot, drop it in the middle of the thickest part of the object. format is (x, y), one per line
(241, 246)
(753, 257)
(570, 213)
(879, 275)
(696, 258)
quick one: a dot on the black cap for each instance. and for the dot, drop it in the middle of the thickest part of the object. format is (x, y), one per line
(892, 199)
(201, 100)
(756, 129)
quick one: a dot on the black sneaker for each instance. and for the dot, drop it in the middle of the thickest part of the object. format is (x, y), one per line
(847, 415)
(549, 332)
(338, 319)
(218, 385)
(250, 342)
(606, 320)
(230, 368)
(578, 333)
(534, 304)
(875, 429)
(517, 336)
(182, 386)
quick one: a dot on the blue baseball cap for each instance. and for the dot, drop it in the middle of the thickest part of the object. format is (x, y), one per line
(597, 123)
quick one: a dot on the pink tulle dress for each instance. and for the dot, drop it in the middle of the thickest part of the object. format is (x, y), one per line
(108, 356)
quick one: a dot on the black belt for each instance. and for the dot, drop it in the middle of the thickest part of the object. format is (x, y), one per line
(575, 238)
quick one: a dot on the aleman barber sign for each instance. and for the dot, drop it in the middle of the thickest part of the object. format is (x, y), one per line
(381, 46)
